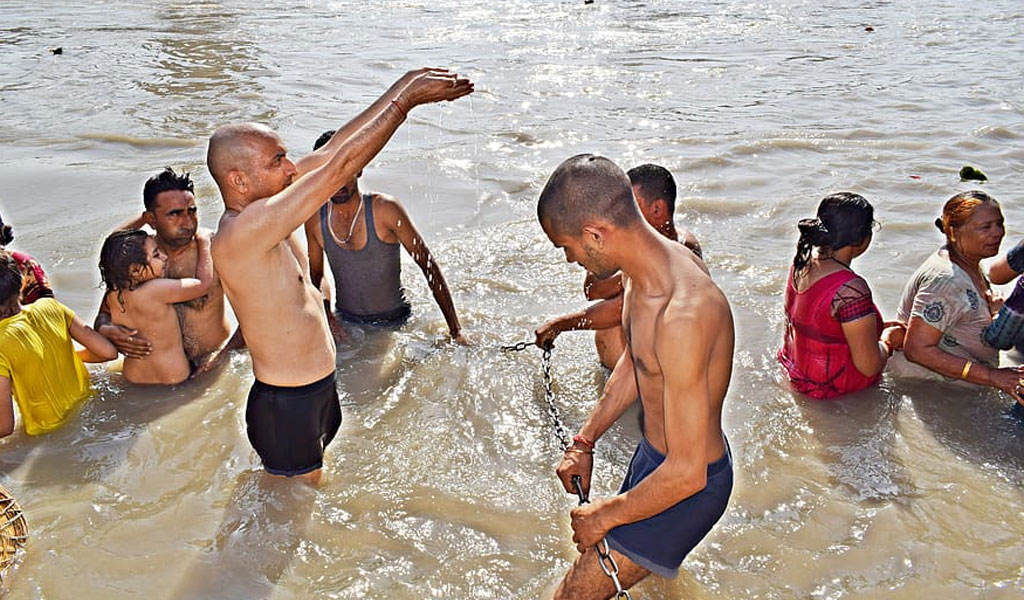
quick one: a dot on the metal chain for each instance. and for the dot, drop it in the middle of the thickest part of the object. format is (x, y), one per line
(604, 555)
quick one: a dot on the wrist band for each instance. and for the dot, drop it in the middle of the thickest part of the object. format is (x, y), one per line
(399, 107)
(578, 451)
(886, 348)
(967, 369)
(579, 439)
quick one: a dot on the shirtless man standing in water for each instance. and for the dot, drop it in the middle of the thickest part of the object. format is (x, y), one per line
(293, 410)
(170, 210)
(678, 361)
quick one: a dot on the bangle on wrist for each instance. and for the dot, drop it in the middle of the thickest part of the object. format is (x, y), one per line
(578, 451)
(966, 370)
(579, 439)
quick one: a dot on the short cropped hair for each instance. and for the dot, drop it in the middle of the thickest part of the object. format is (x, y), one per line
(323, 139)
(585, 188)
(165, 181)
(654, 182)
(10, 277)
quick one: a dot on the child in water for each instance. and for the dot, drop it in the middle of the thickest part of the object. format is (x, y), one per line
(140, 297)
(39, 366)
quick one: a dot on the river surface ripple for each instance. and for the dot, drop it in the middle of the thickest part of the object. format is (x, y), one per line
(441, 482)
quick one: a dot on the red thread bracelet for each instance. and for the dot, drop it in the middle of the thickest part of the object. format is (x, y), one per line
(579, 439)
(399, 107)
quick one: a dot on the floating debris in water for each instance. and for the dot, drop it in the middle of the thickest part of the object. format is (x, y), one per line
(969, 173)
(869, 28)
(915, 177)
(57, 50)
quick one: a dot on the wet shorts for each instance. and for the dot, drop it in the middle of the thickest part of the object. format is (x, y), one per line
(290, 426)
(393, 318)
(660, 543)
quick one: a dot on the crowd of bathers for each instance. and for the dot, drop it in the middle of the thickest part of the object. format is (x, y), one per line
(167, 284)
(163, 307)
(950, 325)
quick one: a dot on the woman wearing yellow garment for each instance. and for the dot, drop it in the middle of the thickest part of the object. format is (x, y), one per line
(38, 362)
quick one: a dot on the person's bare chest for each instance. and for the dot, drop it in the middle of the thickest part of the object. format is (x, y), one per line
(640, 326)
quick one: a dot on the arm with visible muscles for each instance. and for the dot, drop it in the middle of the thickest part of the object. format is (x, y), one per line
(686, 402)
(619, 393)
(320, 156)
(268, 221)
(399, 222)
(599, 315)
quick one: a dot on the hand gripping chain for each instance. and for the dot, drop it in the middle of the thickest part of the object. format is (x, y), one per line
(604, 556)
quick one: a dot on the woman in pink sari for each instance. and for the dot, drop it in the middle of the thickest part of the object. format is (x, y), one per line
(836, 341)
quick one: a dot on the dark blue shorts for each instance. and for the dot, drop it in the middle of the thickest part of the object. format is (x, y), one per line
(660, 543)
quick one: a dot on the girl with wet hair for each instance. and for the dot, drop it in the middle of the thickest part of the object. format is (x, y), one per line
(35, 284)
(836, 341)
(141, 298)
(948, 303)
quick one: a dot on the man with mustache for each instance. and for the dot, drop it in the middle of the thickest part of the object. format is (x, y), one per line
(170, 210)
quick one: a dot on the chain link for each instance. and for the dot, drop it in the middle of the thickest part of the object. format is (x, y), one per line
(604, 555)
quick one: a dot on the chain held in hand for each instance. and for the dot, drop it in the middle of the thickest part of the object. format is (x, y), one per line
(604, 554)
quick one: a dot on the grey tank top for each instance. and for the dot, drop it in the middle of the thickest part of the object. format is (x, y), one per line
(367, 282)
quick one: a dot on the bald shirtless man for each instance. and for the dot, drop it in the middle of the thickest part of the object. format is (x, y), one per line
(170, 210)
(293, 410)
(678, 361)
(655, 191)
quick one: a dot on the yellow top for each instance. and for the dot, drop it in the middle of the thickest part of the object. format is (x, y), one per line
(36, 353)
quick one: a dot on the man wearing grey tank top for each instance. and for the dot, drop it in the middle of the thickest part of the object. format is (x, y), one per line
(361, 234)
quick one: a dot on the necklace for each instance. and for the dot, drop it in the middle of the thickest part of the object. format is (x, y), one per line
(352, 227)
(845, 266)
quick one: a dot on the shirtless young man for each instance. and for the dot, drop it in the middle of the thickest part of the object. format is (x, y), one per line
(170, 210)
(293, 410)
(360, 234)
(655, 191)
(679, 334)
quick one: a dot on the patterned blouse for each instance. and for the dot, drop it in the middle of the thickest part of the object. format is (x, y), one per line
(944, 297)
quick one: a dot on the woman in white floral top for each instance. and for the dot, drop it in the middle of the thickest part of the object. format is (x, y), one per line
(948, 302)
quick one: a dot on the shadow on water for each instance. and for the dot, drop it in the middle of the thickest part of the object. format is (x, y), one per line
(857, 433)
(263, 525)
(95, 443)
(981, 426)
